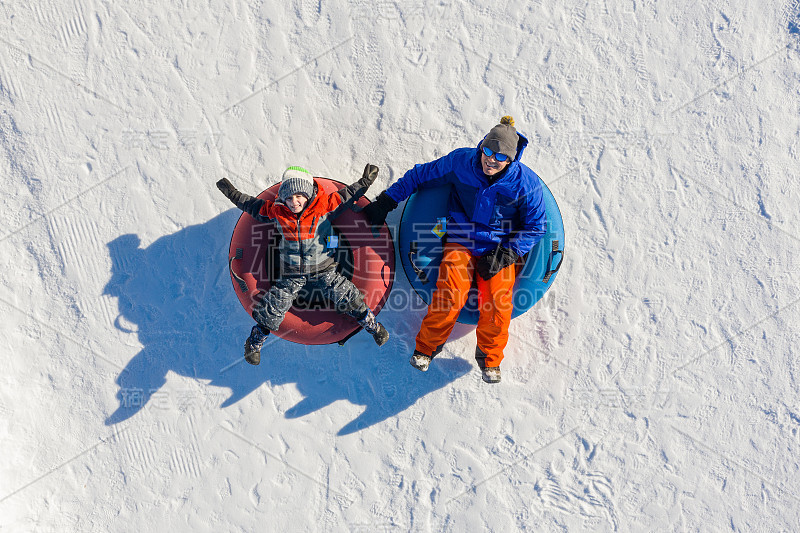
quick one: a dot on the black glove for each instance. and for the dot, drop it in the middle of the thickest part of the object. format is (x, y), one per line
(376, 211)
(226, 187)
(490, 263)
(356, 190)
(249, 204)
(368, 177)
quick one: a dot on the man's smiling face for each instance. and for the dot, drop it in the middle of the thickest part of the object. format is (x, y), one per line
(492, 166)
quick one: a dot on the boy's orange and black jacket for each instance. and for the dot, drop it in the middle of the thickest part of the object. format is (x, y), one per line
(304, 246)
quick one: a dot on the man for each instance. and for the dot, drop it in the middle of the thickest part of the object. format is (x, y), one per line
(496, 215)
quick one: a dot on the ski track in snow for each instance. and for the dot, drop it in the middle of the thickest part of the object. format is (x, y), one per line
(653, 388)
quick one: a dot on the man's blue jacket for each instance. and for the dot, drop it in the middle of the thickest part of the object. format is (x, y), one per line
(509, 211)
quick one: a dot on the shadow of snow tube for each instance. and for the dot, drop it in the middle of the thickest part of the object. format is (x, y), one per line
(365, 259)
(421, 251)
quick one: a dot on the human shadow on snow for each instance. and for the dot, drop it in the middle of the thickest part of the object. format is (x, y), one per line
(177, 296)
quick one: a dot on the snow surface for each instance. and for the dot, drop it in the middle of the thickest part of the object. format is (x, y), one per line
(654, 389)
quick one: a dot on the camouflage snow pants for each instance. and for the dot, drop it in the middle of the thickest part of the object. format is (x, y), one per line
(334, 287)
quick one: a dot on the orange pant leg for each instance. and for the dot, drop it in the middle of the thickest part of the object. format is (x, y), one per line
(452, 289)
(496, 305)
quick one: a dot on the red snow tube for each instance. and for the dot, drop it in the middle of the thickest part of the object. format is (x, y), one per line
(366, 259)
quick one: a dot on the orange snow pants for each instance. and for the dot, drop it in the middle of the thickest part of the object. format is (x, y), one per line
(456, 273)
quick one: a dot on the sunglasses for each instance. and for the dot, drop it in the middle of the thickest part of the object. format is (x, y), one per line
(497, 155)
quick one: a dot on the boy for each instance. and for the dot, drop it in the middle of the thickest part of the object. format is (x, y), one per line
(303, 213)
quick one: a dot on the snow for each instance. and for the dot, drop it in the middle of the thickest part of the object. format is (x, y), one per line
(654, 388)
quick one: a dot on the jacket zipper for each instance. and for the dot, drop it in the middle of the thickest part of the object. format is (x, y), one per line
(298, 231)
(300, 243)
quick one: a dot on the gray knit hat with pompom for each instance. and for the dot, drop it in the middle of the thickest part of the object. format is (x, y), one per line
(503, 138)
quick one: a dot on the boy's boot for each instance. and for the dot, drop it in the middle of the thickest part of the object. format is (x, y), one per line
(374, 328)
(253, 344)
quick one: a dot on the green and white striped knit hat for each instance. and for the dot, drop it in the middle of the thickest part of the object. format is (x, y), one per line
(296, 180)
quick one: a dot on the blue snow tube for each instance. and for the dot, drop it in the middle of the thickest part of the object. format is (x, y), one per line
(421, 251)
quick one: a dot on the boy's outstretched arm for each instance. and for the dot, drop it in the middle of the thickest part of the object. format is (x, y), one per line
(356, 190)
(245, 202)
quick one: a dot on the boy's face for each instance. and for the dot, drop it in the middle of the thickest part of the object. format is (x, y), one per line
(296, 203)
